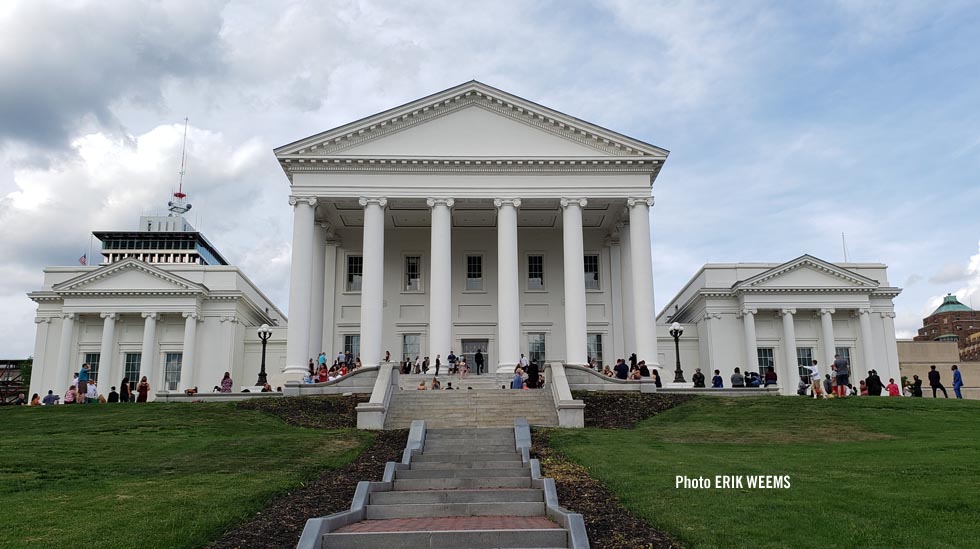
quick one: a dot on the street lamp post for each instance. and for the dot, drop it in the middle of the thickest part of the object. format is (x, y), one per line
(264, 333)
(676, 330)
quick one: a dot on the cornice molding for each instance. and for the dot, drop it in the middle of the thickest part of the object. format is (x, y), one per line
(392, 165)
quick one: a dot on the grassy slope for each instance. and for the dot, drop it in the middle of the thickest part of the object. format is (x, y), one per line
(865, 472)
(154, 475)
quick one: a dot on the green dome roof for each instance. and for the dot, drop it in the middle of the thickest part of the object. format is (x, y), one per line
(951, 304)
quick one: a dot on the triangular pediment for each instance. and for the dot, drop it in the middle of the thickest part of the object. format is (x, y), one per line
(806, 273)
(129, 276)
(471, 120)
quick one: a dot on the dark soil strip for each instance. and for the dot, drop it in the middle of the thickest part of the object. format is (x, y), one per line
(608, 523)
(621, 410)
(281, 522)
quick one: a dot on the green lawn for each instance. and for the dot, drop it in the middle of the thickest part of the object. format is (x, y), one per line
(156, 475)
(865, 472)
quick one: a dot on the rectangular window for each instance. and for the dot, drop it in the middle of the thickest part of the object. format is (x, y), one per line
(591, 272)
(535, 348)
(93, 359)
(595, 347)
(474, 272)
(535, 272)
(171, 372)
(804, 358)
(352, 343)
(766, 360)
(413, 273)
(410, 345)
(131, 368)
(355, 268)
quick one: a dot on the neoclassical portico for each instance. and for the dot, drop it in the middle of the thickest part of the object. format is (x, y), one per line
(472, 218)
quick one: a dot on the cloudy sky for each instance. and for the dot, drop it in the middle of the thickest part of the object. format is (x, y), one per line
(786, 126)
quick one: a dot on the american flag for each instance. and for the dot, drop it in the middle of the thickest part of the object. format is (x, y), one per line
(83, 260)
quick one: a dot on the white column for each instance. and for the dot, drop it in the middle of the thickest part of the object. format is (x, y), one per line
(42, 378)
(869, 354)
(576, 348)
(508, 285)
(148, 353)
(827, 330)
(440, 278)
(187, 365)
(107, 352)
(626, 279)
(316, 289)
(64, 352)
(372, 280)
(787, 379)
(891, 347)
(751, 347)
(329, 295)
(641, 257)
(618, 320)
(300, 288)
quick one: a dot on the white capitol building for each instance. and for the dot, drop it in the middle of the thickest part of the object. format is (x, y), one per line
(469, 219)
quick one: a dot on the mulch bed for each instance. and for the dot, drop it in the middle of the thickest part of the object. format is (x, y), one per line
(608, 523)
(622, 410)
(316, 412)
(281, 522)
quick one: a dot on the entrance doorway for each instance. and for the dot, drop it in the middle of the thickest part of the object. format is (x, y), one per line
(470, 347)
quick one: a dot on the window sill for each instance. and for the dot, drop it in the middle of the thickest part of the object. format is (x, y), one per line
(474, 291)
(544, 291)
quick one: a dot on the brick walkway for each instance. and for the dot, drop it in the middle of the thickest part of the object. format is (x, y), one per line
(450, 523)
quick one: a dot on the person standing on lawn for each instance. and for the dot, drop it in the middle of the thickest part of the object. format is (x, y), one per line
(843, 374)
(893, 388)
(935, 383)
(874, 384)
(957, 382)
(815, 379)
(82, 384)
(142, 390)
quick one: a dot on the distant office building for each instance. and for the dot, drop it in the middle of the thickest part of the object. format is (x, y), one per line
(953, 321)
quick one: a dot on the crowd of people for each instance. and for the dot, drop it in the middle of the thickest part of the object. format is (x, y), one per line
(636, 370)
(344, 363)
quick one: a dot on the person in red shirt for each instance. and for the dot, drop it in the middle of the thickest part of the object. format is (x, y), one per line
(893, 390)
(322, 375)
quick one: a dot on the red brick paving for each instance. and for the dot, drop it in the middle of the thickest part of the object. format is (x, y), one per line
(450, 523)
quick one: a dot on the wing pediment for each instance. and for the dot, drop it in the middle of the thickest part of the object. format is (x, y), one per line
(129, 276)
(807, 273)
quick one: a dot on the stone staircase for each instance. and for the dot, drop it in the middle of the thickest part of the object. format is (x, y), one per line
(471, 408)
(483, 382)
(467, 488)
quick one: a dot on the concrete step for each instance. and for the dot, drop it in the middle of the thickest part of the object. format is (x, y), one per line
(436, 447)
(452, 457)
(415, 484)
(435, 465)
(479, 509)
(462, 473)
(451, 539)
(456, 496)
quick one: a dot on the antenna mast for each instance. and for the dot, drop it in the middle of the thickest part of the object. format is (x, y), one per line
(844, 244)
(178, 206)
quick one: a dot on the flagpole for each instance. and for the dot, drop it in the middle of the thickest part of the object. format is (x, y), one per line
(88, 259)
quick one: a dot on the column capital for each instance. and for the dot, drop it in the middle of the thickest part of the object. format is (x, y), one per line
(232, 319)
(190, 315)
(108, 316)
(787, 312)
(365, 201)
(149, 315)
(309, 200)
(827, 311)
(633, 201)
(433, 202)
(498, 202)
(42, 320)
(864, 311)
(68, 316)
(749, 311)
(566, 202)
(887, 315)
(712, 316)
